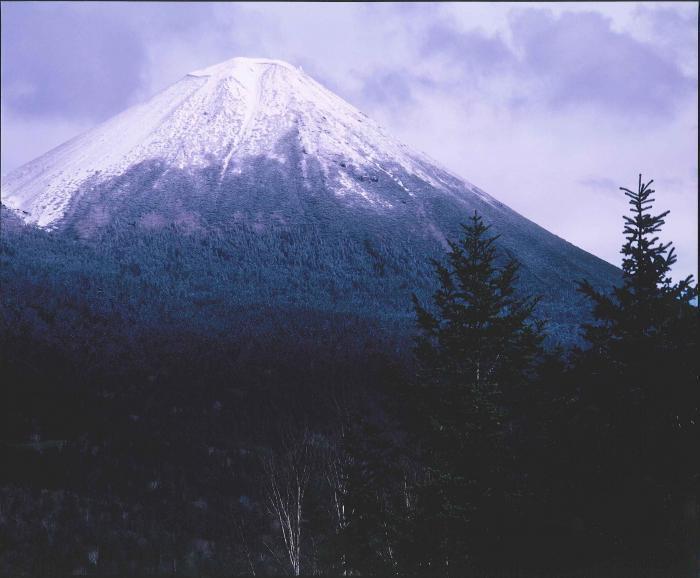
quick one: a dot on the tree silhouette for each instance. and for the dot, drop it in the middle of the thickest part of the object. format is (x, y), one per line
(480, 343)
(639, 393)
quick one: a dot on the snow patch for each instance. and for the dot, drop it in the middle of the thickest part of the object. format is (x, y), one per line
(348, 185)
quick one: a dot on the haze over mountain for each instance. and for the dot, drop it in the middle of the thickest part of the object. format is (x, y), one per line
(329, 211)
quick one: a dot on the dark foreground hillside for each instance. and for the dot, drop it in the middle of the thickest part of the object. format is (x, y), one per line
(152, 401)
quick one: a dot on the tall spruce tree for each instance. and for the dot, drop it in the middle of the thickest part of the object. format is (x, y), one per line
(478, 345)
(640, 397)
(648, 307)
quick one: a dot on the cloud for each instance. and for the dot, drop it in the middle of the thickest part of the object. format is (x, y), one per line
(23, 139)
(601, 185)
(672, 23)
(578, 60)
(674, 29)
(394, 87)
(68, 60)
(571, 61)
(472, 51)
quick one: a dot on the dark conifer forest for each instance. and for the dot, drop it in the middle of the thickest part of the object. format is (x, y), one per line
(158, 420)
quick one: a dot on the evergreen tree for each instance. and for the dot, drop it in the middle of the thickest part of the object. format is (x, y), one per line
(475, 350)
(639, 399)
(648, 307)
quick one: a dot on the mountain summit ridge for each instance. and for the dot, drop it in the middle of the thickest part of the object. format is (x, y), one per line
(228, 66)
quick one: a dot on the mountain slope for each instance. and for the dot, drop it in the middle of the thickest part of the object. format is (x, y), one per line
(254, 153)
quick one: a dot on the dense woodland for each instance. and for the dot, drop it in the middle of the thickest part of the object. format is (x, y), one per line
(157, 422)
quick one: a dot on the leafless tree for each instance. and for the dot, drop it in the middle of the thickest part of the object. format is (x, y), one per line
(336, 465)
(242, 530)
(287, 476)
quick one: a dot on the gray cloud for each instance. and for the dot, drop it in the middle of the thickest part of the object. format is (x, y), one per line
(68, 60)
(473, 51)
(671, 22)
(580, 60)
(394, 87)
(601, 185)
(573, 60)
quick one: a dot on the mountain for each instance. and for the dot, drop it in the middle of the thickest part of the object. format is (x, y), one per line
(281, 195)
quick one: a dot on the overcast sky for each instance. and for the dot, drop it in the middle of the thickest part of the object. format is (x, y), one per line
(548, 107)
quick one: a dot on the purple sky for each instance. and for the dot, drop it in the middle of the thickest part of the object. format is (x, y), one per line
(548, 107)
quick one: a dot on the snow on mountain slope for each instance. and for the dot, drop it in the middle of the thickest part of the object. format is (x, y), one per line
(220, 115)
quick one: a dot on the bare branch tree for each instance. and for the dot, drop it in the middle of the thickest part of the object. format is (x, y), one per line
(287, 477)
(242, 531)
(337, 465)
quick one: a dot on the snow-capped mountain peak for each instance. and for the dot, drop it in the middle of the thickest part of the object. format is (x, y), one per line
(223, 115)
